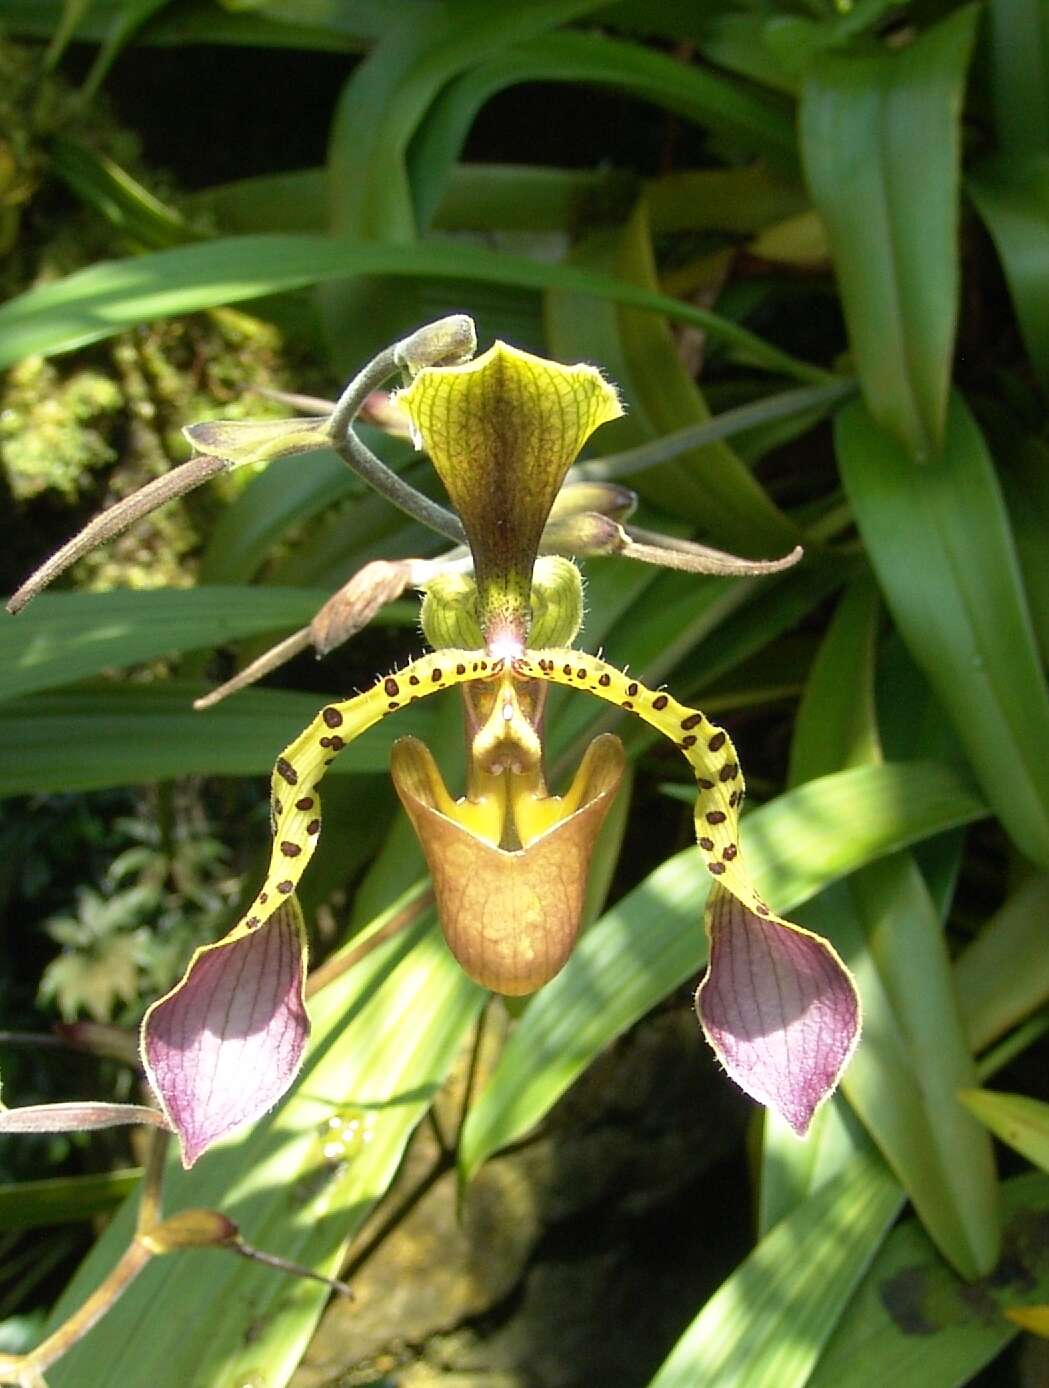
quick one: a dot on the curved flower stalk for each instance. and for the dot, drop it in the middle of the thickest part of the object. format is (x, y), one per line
(508, 859)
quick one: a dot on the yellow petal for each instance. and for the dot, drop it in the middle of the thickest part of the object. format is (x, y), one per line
(510, 918)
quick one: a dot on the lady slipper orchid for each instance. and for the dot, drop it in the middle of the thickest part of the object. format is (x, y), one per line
(509, 860)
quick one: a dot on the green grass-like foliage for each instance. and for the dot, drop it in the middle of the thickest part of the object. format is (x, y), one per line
(857, 201)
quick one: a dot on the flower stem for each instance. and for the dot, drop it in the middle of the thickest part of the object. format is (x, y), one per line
(429, 346)
(26, 1369)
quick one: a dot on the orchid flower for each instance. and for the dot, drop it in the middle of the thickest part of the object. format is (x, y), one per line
(508, 859)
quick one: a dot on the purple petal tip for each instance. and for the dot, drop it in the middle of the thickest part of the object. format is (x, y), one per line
(779, 1008)
(226, 1043)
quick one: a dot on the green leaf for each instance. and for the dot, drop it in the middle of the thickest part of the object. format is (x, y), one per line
(767, 1324)
(130, 17)
(1018, 1121)
(758, 121)
(1012, 196)
(1023, 461)
(312, 24)
(115, 735)
(939, 540)
(914, 1047)
(95, 303)
(130, 208)
(835, 726)
(651, 941)
(300, 1183)
(476, 197)
(64, 1199)
(881, 144)
(721, 491)
(1004, 974)
(921, 1324)
(1017, 41)
(62, 637)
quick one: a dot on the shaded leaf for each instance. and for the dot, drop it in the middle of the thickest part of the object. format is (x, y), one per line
(93, 304)
(1012, 196)
(939, 539)
(112, 735)
(63, 637)
(881, 145)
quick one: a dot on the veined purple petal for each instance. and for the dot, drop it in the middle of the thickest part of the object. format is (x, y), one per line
(779, 1008)
(226, 1043)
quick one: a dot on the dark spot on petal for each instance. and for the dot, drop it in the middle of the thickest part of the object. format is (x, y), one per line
(306, 803)
(692, 721)
(314, 826)
(716, 868)
(567, 670)
(263, 898)
(627, 704)
(716, 816)
(580, 674)
(706, 844)
(660, 701)
(414, 679)
(252, 922)
(332, 716)
(336, 743)
(460, 669)
(763, 910)
(605, 681)
(704, 784)
(391, 686)
(438, 675)
(688, 741)
(285, 887)
(278, 808)
(631, 689)
(729, 852)
(289, 849)
(729, 772)
(324, 741)
(716, 742)
(287, 771)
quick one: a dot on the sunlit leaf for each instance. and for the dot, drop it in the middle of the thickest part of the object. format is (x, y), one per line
(1020, 1122)
(768, 1322)
(921, 1324)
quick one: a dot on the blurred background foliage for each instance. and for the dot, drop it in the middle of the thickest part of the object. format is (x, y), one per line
(810, 242)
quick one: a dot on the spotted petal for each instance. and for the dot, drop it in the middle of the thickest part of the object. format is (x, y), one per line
(778, 1006)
